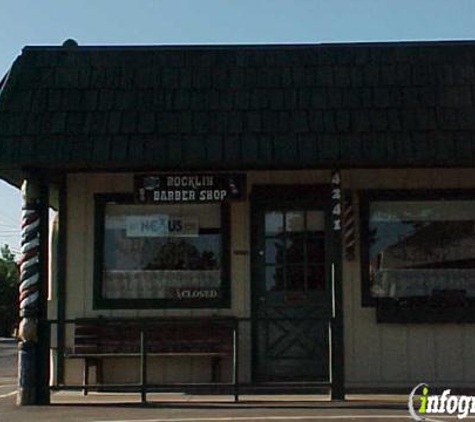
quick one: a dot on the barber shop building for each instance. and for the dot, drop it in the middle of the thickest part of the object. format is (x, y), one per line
(245, 218)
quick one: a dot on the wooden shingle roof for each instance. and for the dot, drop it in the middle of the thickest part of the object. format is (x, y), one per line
(240, 107)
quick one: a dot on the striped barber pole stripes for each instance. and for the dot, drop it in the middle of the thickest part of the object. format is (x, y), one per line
(349, 236)
(29, 263)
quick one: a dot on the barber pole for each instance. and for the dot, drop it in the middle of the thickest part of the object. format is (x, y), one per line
(349, 238)
(29, 264)
(29, 295)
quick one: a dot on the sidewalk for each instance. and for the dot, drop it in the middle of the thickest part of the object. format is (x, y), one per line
(255, 401)
(101, 407)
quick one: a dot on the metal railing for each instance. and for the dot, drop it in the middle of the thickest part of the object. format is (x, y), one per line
(234, 387)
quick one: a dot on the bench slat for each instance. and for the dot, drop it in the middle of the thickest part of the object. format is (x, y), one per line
(164, 338)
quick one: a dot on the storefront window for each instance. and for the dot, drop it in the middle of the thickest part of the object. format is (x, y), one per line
(419, 248)
(171, 255)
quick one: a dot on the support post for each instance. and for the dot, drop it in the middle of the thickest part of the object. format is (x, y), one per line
(337, 343)
(236, 360)
(143, 365)
(33, 347)
(61, 281)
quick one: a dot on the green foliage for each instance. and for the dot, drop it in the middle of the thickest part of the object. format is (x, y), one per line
(7, 254)
(8, 291)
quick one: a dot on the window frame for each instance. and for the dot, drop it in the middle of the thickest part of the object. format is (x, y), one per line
(426, 308)
(99, 302)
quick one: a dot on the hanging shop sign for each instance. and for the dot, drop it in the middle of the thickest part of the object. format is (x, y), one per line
(189, 188)
(161, 225)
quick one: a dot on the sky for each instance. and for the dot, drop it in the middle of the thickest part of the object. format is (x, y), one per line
(155, 22)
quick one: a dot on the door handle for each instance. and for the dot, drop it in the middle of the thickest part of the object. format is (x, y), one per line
(333, 290)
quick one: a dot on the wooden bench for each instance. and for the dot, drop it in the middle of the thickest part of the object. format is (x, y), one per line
(97, 339)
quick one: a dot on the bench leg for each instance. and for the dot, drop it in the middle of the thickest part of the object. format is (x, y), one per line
(85, 375)
(88, 363)
(99, 373)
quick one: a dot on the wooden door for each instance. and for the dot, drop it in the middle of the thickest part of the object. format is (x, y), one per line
(291, 294)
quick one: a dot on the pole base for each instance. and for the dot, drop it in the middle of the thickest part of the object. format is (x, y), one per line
(26, 374)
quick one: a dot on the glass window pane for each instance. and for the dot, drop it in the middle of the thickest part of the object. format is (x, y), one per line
(295, 250)
(162, 252)
(316, 277)
(459, 210)
(294, 221)
(315, 250)
(274, 278)
(422, 248)
(316, 221)
(296, 278)
(274, 222)
(274, 251)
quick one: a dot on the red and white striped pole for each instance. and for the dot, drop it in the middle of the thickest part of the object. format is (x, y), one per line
(29, 294)
(349, 236)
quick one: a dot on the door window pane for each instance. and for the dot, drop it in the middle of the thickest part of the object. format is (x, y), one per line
(315, 221)
(296, 278)
(274, 278)
(316, 277)
(274, 251)
(315, 250)
(294, 221)
(295, 250)
(274, 223)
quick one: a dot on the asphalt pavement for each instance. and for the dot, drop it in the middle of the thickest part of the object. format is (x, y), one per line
(102, 407)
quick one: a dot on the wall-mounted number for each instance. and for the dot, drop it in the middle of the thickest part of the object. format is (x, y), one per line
(336, 200)
(336, 180)
(336, 194)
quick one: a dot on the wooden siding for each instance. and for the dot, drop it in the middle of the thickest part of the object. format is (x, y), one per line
(376, 355)
(393, 355)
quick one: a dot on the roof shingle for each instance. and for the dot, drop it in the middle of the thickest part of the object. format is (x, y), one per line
(240, 107)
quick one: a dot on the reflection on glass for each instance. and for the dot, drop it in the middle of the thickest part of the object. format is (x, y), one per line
(316, 277)
(274, 221)
(274, 251)
(294, 221)
(274, 278)
(295, 250)
(422, 248)
(315, 250)
(142, 262)
(315, 221)
(122, 253)
(296, 278)
(299, 251)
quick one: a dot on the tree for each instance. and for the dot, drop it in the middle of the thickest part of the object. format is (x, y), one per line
(8, 291)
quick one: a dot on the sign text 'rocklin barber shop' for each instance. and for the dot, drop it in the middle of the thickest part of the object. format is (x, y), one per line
(190, 188)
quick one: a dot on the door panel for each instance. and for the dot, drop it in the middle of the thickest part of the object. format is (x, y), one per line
(291, 295)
